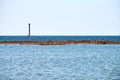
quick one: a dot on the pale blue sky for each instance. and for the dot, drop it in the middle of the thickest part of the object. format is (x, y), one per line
(60, 17)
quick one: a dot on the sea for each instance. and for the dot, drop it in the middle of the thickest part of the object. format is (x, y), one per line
(59, 62)
(58, 38)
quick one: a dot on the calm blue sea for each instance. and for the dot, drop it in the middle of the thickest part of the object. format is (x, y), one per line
(60, 62)
(59, 38)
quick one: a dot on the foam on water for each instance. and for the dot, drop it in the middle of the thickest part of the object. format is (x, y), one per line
(60, 62)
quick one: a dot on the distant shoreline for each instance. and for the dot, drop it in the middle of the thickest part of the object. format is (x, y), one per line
(60, 42)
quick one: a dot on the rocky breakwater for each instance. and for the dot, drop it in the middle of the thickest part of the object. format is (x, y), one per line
(60, 42)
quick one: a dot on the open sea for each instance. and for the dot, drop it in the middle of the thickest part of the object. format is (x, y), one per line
(59, 62)
(59, 38)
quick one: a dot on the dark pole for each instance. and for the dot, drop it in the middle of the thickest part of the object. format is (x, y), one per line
(29, 29)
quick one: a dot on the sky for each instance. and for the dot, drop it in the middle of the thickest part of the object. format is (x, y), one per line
(60, 17)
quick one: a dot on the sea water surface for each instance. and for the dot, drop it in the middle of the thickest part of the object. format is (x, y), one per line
(60, 62)
(58, 38)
